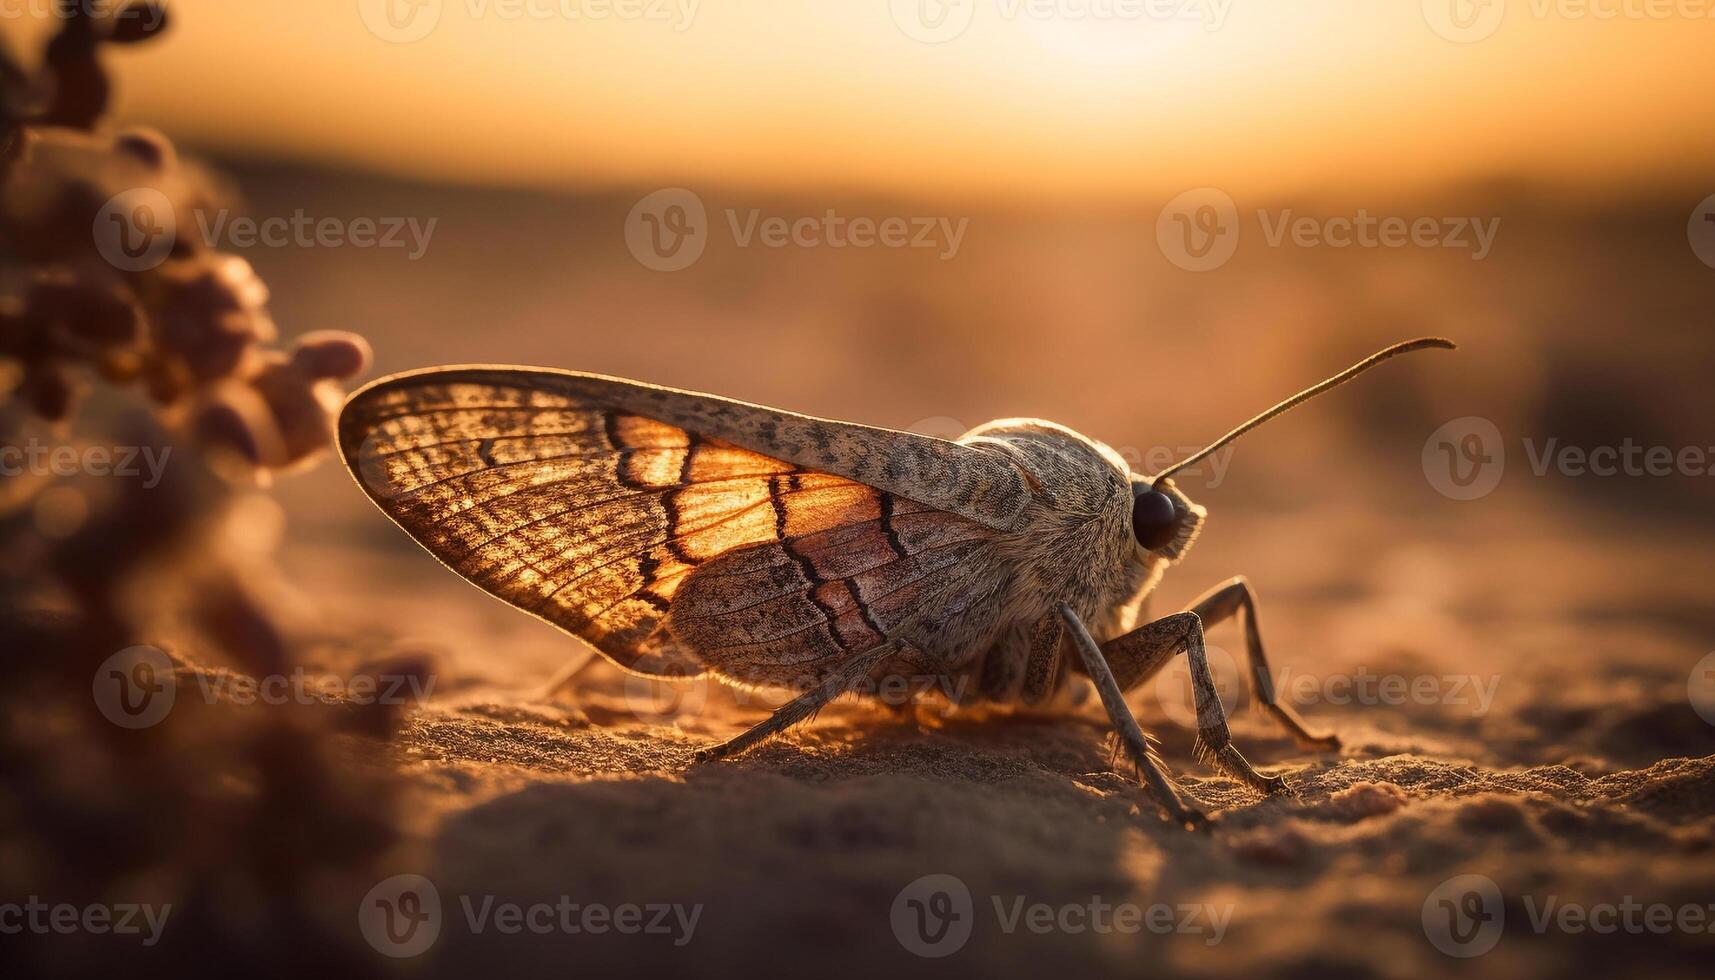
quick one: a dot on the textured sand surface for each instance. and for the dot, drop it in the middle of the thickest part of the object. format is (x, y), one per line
(1589, 780)
(800, 851)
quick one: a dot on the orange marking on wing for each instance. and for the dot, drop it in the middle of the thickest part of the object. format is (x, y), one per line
(637, 432)
(713, 460)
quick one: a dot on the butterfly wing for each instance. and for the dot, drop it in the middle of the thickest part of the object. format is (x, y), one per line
(676, 532)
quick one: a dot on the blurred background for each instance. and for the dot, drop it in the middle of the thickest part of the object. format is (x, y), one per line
(1058, 140)
(1143, 220)
(526, 131)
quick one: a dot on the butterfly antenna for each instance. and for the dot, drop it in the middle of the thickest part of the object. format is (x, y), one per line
(1422, 343)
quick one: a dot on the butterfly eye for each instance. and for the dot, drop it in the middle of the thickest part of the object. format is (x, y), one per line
(1154, 522)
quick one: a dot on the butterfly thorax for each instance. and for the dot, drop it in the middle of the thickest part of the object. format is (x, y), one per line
(1074, 545)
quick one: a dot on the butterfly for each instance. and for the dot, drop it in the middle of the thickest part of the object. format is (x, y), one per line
(683, 534)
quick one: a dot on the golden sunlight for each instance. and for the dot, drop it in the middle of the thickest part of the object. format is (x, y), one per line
(1118, 97)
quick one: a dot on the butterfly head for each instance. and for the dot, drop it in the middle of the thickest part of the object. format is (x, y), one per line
(1163, 520)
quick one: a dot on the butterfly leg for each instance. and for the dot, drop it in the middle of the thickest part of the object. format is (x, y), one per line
(1221, 603)
(1043, 668)
(1143, 651)
(1131, 736)
(804, 706)
(1233, 597)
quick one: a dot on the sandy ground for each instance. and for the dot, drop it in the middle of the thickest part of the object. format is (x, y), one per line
(1542, 737)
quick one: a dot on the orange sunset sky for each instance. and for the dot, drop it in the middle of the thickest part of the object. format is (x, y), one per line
(1082, 99)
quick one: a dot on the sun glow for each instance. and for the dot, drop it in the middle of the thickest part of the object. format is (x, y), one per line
(1031, 98)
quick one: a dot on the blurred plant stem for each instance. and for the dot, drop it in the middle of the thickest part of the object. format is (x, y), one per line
(237, 814)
